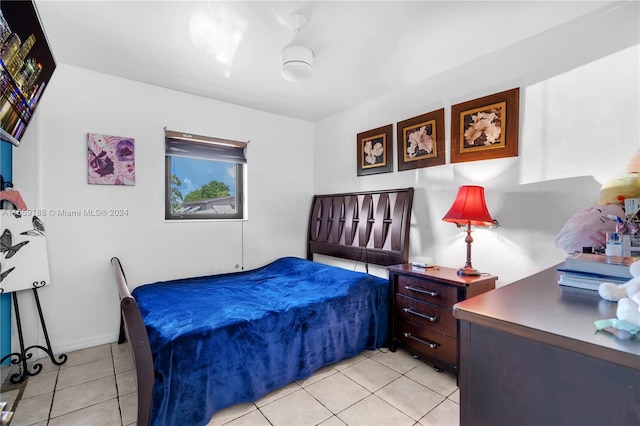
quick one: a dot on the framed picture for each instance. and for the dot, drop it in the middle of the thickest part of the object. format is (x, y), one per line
(485, 128)
(111, 160)
(375, 151)
(421, 141)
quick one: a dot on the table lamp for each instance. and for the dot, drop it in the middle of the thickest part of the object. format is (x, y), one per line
(469, 208)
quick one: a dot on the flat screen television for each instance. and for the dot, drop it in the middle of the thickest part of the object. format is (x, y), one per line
(26, 66)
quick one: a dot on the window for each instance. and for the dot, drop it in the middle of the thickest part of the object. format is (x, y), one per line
(204, 177)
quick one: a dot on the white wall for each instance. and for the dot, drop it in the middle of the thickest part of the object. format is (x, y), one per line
(578, 128)
(50, 169)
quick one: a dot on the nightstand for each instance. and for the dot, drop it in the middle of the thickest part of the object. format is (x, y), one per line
(422, 318)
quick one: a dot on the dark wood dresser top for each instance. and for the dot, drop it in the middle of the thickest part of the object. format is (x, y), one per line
(538, 308)
(440, 273)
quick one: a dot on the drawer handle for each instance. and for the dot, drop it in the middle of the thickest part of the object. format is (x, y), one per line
(422, 290)
(432, 318)
(432, 345)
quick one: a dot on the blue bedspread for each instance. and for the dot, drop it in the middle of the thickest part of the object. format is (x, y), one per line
(224, 339)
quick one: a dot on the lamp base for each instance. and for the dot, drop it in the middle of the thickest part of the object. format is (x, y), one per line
(468, 271)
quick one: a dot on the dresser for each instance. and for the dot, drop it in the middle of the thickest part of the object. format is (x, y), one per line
(530, 355)
(422, 320)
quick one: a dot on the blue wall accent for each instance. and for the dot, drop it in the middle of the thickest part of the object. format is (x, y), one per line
(6, 169)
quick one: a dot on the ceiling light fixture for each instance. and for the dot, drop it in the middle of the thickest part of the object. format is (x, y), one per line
(297, 63)
(297, 60)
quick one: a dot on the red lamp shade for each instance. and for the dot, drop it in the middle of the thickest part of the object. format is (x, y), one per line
(469, 208)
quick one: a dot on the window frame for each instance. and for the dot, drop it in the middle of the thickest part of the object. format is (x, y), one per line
(220, 147)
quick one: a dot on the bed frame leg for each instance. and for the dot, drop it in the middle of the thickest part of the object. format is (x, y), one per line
(122, 337)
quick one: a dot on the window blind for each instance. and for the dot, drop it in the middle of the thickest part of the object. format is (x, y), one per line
(179, 144)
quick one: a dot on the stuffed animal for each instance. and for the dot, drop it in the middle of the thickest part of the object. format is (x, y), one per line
(587, 227)
(625, 186)
(627, 295)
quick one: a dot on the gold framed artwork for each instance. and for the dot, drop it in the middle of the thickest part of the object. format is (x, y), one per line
(485, 128)
(421, 141)
(375, 151)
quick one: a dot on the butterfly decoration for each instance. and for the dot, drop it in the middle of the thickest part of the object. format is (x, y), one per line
(38, 228)
(3, 274)
(22, 268)
(8, 205)
(6, 244)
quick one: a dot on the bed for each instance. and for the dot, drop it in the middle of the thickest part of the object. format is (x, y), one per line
(201, 344)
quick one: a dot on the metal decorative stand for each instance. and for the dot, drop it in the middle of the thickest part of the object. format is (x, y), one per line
(20, 358)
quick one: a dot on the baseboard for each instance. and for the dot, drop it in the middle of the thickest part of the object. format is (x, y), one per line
(84, 344)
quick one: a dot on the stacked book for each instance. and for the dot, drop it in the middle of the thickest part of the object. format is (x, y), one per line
(588, 271)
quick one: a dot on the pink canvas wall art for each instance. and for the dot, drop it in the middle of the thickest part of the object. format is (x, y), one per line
(111, 160)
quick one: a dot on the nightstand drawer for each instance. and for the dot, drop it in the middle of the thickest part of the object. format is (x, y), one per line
(422, 305)
(432, 317)
(428, 291)
(428, 344)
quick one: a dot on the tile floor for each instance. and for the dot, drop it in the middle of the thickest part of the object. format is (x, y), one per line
(96, 387)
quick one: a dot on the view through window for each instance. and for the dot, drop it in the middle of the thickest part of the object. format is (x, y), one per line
(204, 177)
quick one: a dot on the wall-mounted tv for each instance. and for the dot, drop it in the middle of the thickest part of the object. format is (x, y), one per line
(26, 66)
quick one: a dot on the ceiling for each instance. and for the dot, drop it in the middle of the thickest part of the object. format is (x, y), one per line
(362, 49)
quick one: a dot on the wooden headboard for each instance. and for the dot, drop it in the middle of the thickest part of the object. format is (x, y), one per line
(370, 227)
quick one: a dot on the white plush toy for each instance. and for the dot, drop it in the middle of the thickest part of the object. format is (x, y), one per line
(627, 295)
